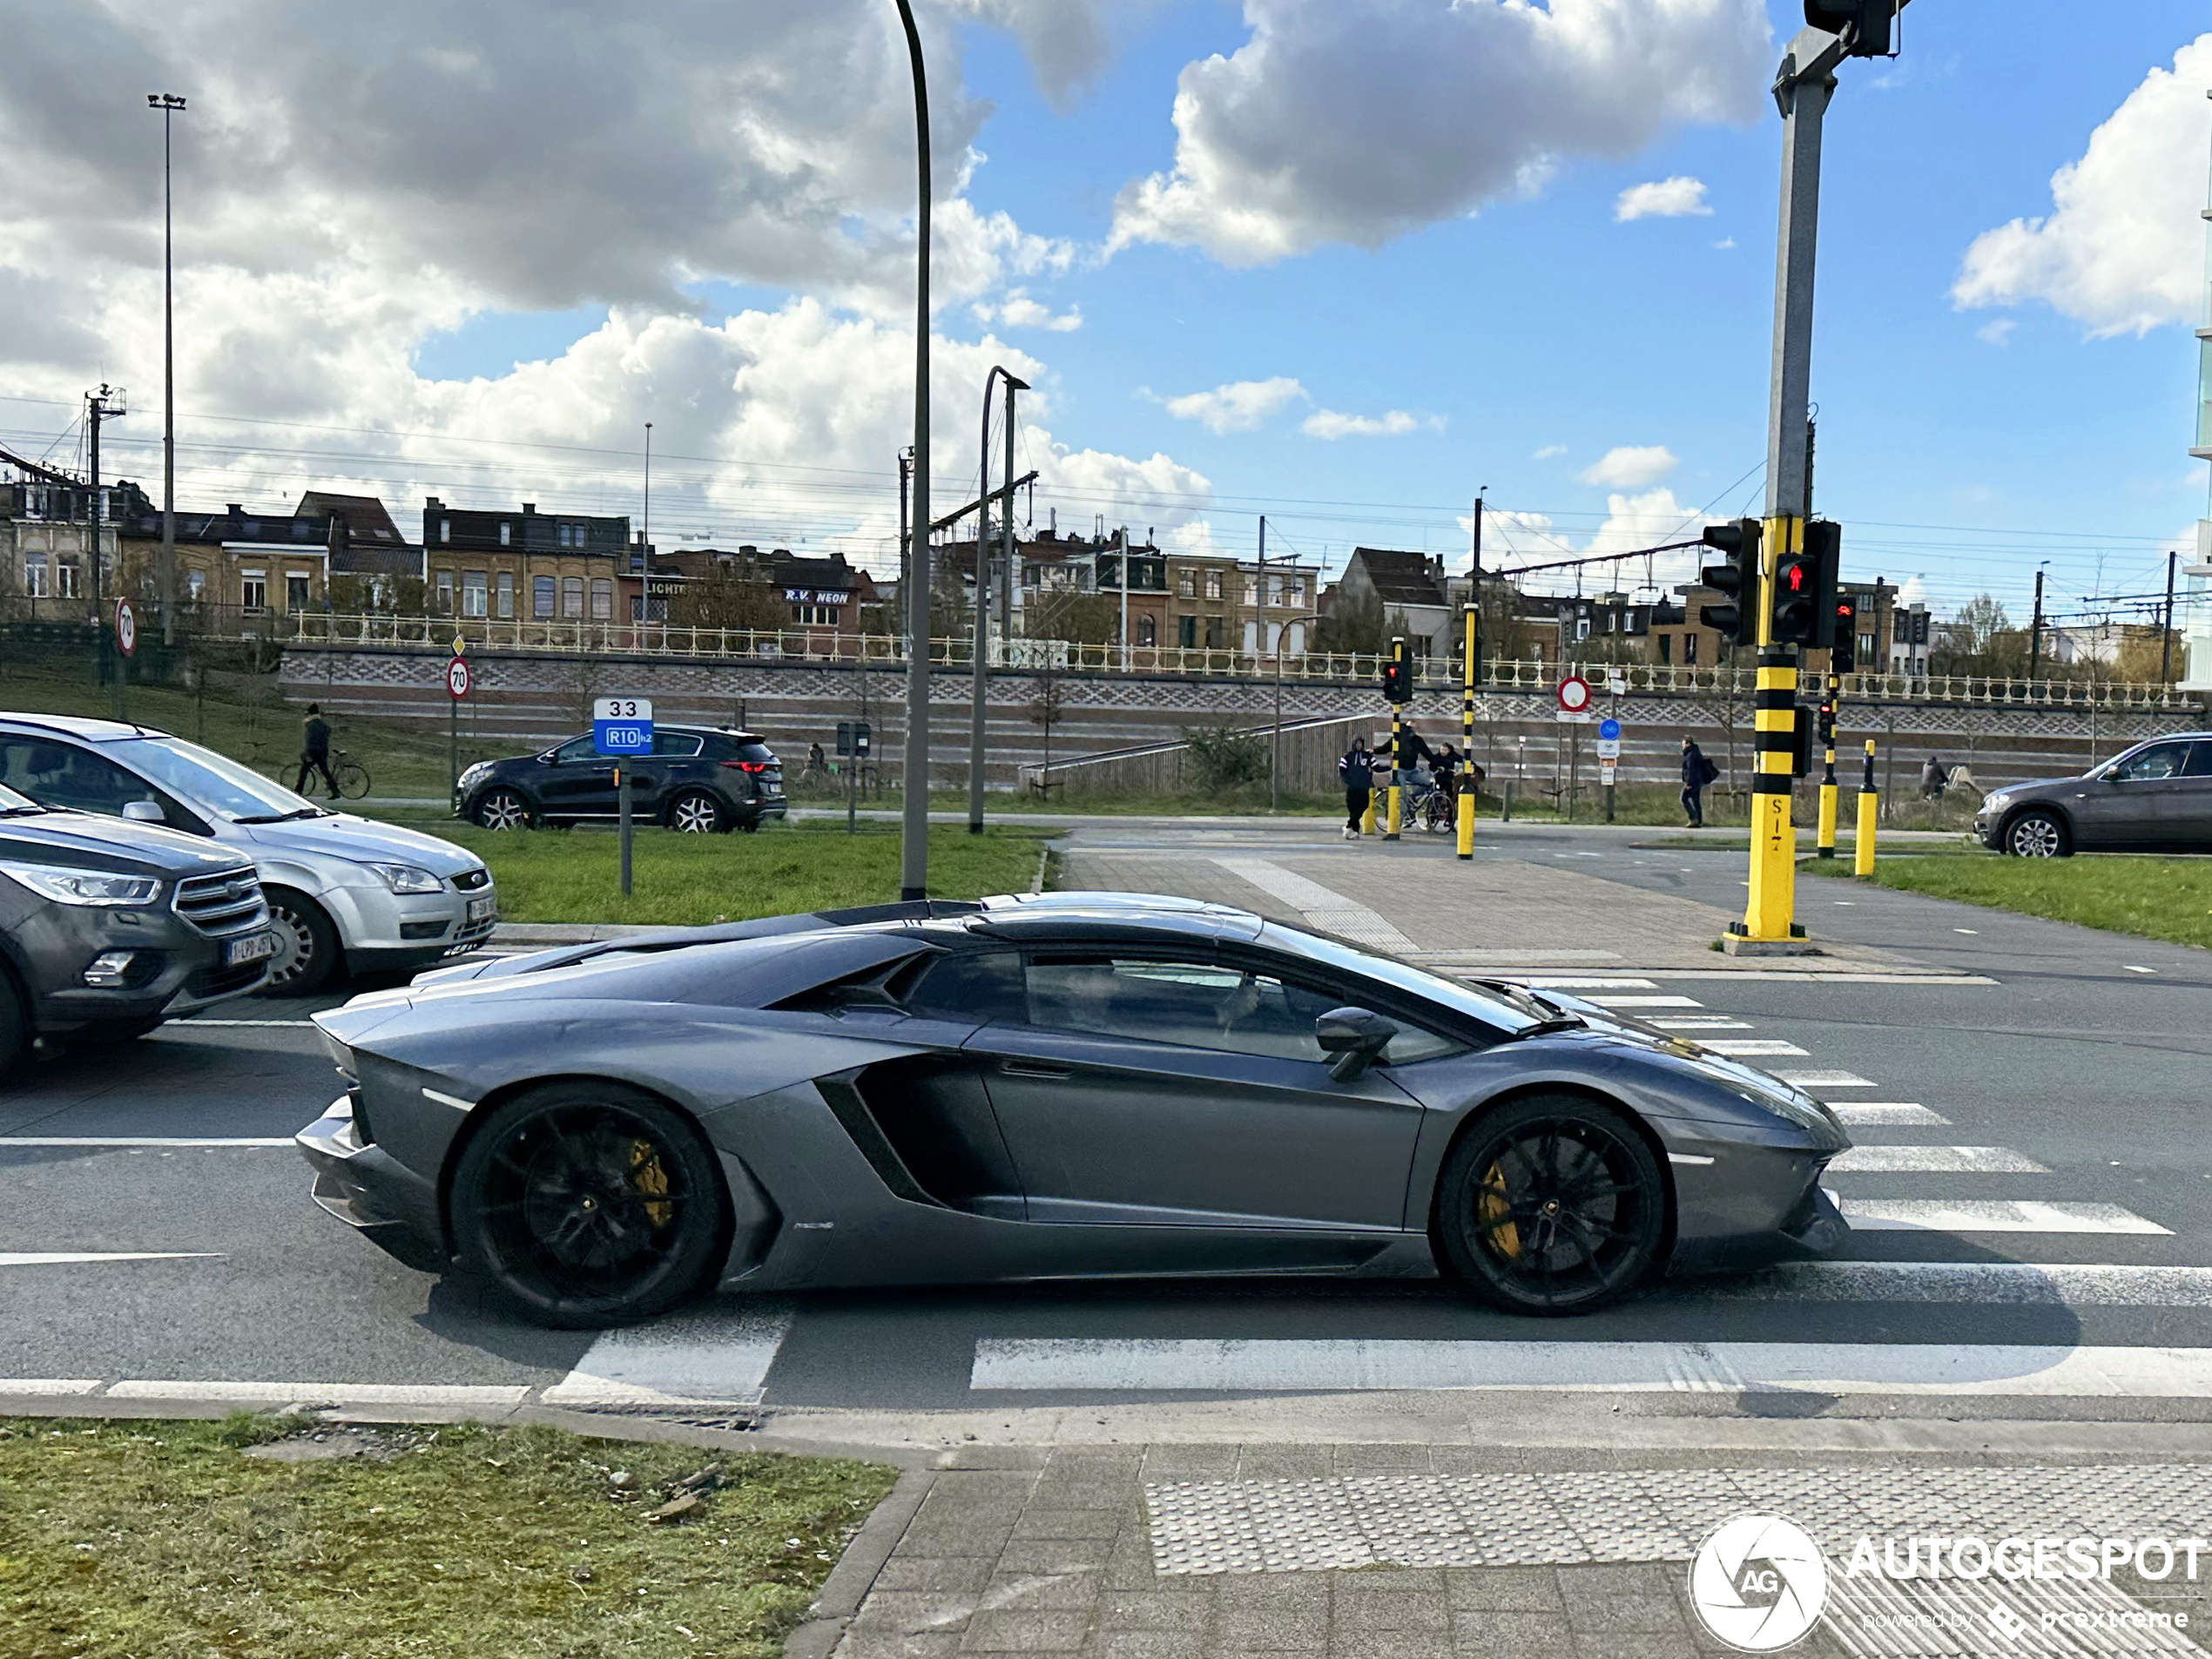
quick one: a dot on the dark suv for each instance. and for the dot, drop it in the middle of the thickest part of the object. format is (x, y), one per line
(110, 926)
(698, 778)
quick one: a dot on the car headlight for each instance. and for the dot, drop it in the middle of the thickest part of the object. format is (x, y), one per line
(1996, 801)
(408, 878)
(86, 886)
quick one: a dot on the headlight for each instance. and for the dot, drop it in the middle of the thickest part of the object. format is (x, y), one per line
(408, 878)
(1996, 801)
(73, 886)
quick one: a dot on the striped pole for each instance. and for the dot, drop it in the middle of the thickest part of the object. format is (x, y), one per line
(1862, 854)
(1769, 911)
(1465, 823)
(1397, 729)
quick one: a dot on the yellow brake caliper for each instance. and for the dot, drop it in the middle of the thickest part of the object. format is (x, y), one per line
(647, 1175)
(1492, 1208)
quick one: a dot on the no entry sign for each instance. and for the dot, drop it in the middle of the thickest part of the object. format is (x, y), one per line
(1574, 694)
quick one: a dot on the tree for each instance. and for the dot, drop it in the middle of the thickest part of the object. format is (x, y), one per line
(1223, 758)
(731, 598)
(1980, 639)
(1080, 618)
(1353, 626)
(1048, 708)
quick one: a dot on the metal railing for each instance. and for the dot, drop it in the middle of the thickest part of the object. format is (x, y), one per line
(1732, 681)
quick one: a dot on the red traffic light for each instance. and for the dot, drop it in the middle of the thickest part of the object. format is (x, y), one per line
(1796, 578)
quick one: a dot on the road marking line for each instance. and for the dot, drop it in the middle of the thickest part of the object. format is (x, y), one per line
(1582, 982)
(1745, 1048)
(1992, 1215)
(1825, 1079)
(1087, 1365)
(1934, 1160)
(1322, 907)
(2012, 1284)
(1868, 1113)
(1700, 1023)
(7, 1141)
(2132, 968)
(42, 1387)
(1604, 1000)
(285, 1393)
(68, 1257)
(717, 1356)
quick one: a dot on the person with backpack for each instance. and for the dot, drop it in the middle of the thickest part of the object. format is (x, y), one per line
(1697, 773)
(1356, 768)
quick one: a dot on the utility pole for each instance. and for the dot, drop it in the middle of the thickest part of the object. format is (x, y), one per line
(169, 104)
(2166, 629)
(2036, 629)
(1275, 764)
(1474, 613)
(979, 671)
(1124, 567)
(913, 842)
(101, 407)
(646, 534)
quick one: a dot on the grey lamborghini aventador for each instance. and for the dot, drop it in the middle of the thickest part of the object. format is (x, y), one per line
(1083, 1085)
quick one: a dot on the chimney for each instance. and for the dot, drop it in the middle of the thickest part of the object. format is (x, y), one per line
(234, 509)
(432, 501)
(529, 507)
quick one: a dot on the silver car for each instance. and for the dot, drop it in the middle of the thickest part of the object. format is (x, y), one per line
(345, 893)
(2157, 794)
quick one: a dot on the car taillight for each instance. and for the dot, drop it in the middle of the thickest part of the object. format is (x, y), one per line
(747, 765)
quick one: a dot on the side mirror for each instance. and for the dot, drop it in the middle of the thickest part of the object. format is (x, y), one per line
(145, 811)
(1356, 1037)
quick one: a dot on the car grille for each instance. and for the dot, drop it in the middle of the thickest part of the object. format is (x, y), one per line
(469, 880)
(221, 982)
(222, 904)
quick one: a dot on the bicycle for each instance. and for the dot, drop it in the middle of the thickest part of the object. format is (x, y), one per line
(352, 777)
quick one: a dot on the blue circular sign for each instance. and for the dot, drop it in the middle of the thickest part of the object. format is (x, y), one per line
(1609, 730)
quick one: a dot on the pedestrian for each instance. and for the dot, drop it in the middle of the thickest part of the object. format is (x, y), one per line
(314, 751)
(1933, 776)
(1356, 767)
(1696, 771)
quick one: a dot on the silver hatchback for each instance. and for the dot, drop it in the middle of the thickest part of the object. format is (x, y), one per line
(347, 894)
(2157, 795)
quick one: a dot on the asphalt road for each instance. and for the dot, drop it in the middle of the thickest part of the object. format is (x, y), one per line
(2074, 1082)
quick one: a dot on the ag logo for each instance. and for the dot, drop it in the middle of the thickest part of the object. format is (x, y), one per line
(1759, 1583)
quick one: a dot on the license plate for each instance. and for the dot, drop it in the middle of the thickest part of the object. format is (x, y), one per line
(481, 908)
(251, 949)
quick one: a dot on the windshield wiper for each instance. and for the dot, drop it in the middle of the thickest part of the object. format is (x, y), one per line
(19, 811)
(286, 818)
(1547, 1027)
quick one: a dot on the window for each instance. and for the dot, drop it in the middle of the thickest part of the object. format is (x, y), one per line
(34, 575)
(2200, 763)
(503, 595)
(1186, 633)
(1866, 648)
(1213, 585)
(1298, 590)
(296, 592)
(603, 598)
(1689, 650)
(300, 529)
(541, 596)
(444, 589)
(61, 775)
(506, 534)
(986, 987)
(1186, 583)
(253, 590)
(445, 529)
(572, 596)
(560, 532)
(1666, 648)
(1216, 633)
(65, 572)
(195, 587)
(1148, 630)
(577, 751)
(676, 745)
(473, 589)
(2146, 765)
(817, 615)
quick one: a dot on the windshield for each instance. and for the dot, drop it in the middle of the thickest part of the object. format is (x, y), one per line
(209, 781)
(1470, 1001)
(11, 802)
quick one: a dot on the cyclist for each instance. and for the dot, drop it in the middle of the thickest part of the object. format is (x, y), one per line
(314, 751)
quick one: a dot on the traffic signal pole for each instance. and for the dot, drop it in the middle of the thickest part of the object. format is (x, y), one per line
(1465, 823)
(1397, 738)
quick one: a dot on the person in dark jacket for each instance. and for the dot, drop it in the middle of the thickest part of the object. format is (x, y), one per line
(314, 751)
(1697, 773)
(1356, 767)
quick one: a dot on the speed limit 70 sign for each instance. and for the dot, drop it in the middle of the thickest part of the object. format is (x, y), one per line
(127, 627)
(457, 679)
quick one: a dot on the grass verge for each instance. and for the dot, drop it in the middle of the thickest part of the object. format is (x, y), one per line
(2152, 898)
(572, 875)
(167, 1541)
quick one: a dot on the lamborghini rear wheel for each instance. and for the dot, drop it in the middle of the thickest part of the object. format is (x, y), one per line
(1552, 1204)
(590, 1203)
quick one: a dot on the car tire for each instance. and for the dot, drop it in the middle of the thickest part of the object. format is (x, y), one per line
(2037, 834)
(1552, 1204)
(308, 953)
(501, 809)
(15, 1027)
(750, 825)
(697, 812)
(590, 1204)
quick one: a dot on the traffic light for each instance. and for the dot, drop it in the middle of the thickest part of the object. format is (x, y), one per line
(1736, 579)
(1843, 646)
(1801, 742)
(1827, 724)
(1867, 26)
(1804, 587)
(1398, 682)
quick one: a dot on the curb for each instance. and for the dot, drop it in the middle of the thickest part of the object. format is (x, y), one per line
(854, 1575)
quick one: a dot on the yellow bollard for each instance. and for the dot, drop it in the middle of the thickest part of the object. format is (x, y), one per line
(1863, 856)
(1367, 820)
(1464, 824)
(1826, 845)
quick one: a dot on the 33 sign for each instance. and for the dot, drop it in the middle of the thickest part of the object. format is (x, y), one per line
(622, 725)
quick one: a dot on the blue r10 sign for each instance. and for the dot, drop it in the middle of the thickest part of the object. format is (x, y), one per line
(623, 726)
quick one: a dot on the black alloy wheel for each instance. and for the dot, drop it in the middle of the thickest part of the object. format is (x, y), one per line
(502, 809)
(590, 1203)
(696, 812)
(1553, 1204)
(2038, 834)
(307, 950)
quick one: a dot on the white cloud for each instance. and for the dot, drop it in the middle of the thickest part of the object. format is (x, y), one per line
(2122, 249)
(1630, 466)
(1238, 406)
(1681, 197)
(1334, 423)
(1997, 331)
(1357, 123)
(1066, 39)
(1549, 452)
(1725, 244)
(1018, 310)
(1912, 591)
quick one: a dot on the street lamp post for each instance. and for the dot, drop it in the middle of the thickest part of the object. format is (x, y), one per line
(169, 104)
(979, 690)
(913, 848)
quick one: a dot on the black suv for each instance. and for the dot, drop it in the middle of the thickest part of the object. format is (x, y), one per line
(109, 925)
(698, 778)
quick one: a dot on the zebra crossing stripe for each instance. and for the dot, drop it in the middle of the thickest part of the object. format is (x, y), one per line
(1605, 1000)
(1701, 1022)
(715, 1356)
(1934, 1160)
(1116, 1365)
(2010, 1284)
(1869, 1114)
(1744, 1048)
(1993, 1216)
(1825, 1079)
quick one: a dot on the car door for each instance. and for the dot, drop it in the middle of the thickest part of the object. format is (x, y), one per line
(1148, 1089)
(578, 782)
(2190, 804)
(2133, 800)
